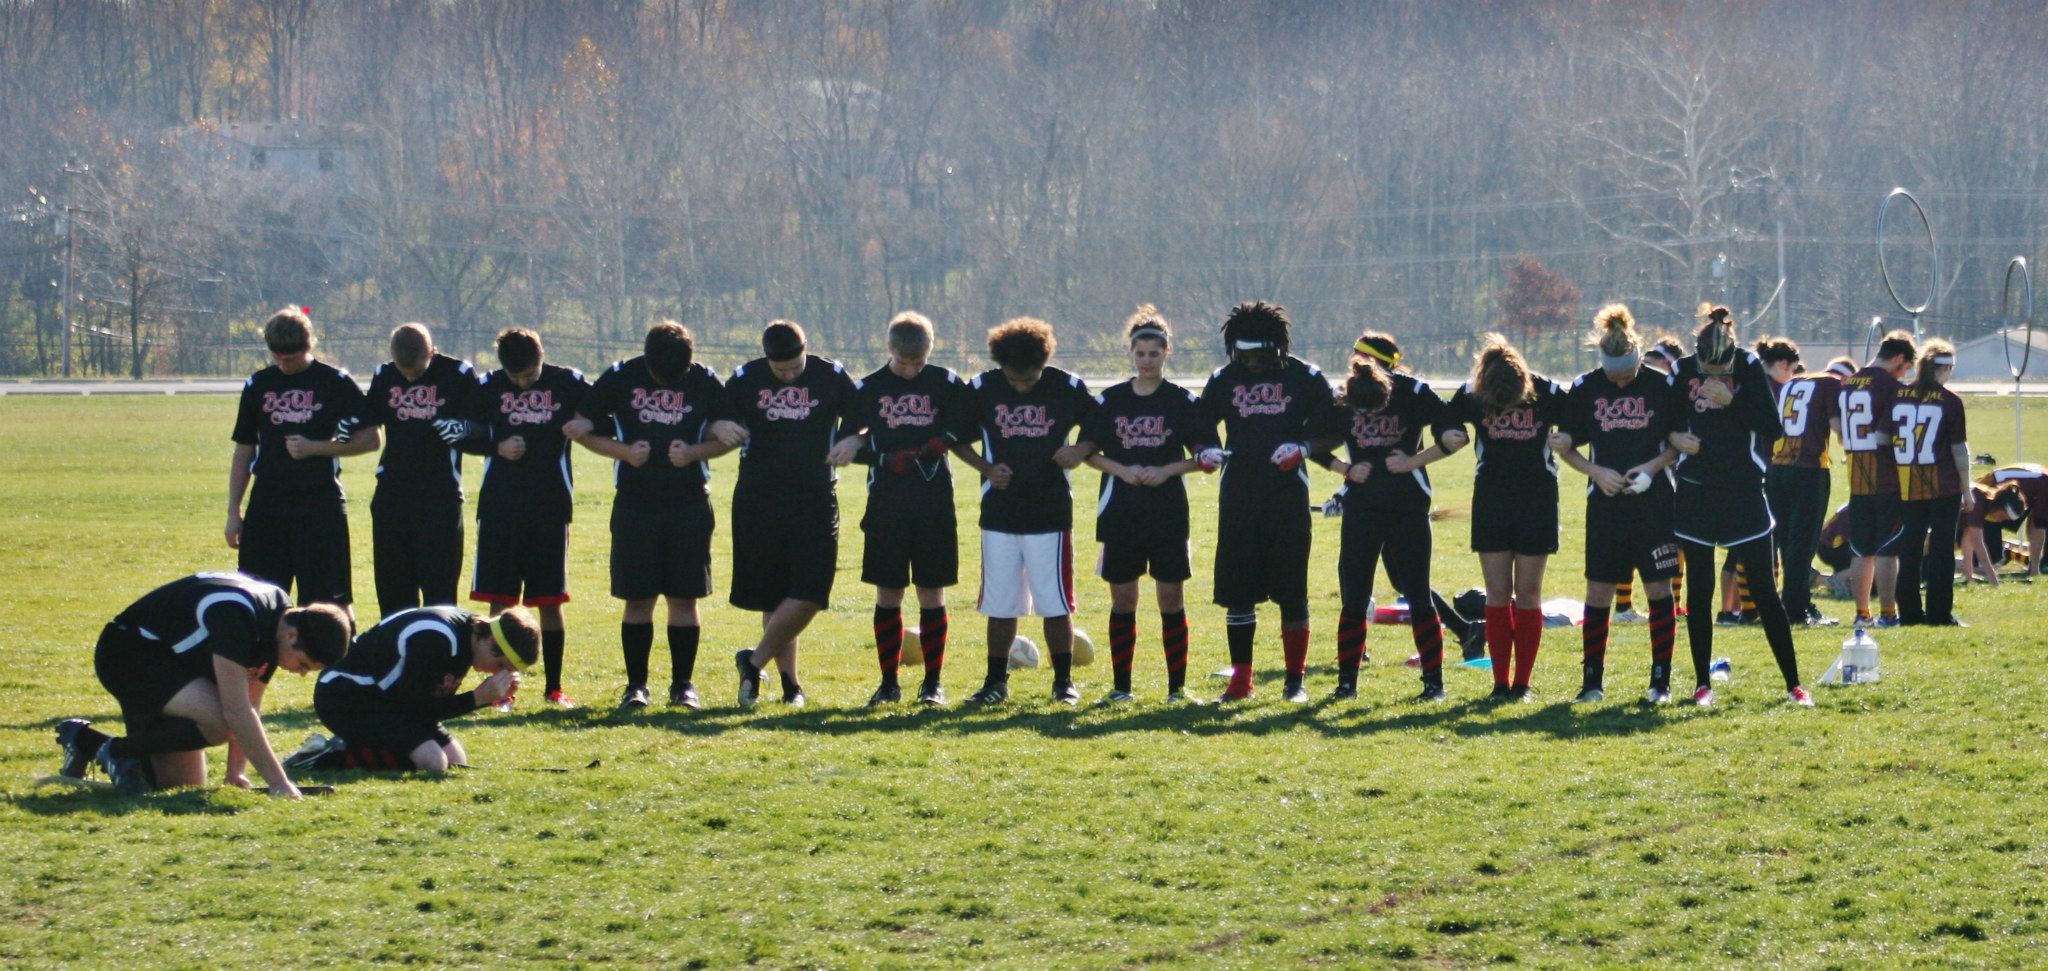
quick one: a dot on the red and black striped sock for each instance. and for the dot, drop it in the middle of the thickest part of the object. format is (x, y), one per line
(1173, 631)
(1351, 634)
(1663, 635)
(889, 641)
(1429, 642)
(1528, 637)
(1123, 643)
(1294, 644)
(931, 638)
(1594, 636)
(1500, 641)
(375, 759)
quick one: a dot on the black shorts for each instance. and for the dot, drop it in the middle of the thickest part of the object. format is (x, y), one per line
(661, 548)
(1875, 523)
(1630, 533)
(1523, 523)
(910, 542)
(1262, 550)
(417, 548)
(783, 548)
(365, 717)
(1165, 559)
(1722, 516)
(521, 557)
(142, 684)
(302, 539)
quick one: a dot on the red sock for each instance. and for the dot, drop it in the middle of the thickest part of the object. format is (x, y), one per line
(1528, 637)
(1240, 680)
(1295, 644)
(1350, 646)
(889, 640)
(1500, 641)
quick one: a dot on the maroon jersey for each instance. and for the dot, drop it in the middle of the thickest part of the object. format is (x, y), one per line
(1930, 426)
(1869, 432)
(1807, 407)
(2033, 480)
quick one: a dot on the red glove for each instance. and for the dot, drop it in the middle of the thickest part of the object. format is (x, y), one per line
(1210, 459)
(901, 461)
(1290, 455)
(933, 450)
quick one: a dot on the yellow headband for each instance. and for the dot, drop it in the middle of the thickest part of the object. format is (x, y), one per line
(497, 626)
(1371, 351)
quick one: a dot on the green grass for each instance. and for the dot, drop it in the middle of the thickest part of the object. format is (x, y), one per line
(1892, 825)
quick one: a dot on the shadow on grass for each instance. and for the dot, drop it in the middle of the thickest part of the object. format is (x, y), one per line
(56, 801)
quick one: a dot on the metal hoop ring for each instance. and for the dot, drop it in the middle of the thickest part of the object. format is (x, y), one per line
(1772, 301)
(1873, 336)
(2005, 313)
(1884, 268)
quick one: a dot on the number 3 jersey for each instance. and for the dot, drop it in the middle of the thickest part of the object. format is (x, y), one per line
(1869, 432)
(1930, 426)
(1807, 408)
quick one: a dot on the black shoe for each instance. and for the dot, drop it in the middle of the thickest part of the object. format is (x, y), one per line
(312, 752)
(1944, 622)
(1293, 691)
(129, 776)
(991, 693)
(1065, 693)
(794, 697)
(80, 742)
(1727, 618)
(1431, 691)
(684, 696)
(1501, 692)
(1590, 694)
(750, 677)
(635, 696)
(932, 695)
(1520, 694)
(1346, 690)
(888, 693)
(1474, 641)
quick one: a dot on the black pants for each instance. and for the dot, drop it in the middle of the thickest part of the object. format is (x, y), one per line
(1927, 552)
(1799, 498)
(1755, 559)
(417, 545)
(1400, 537)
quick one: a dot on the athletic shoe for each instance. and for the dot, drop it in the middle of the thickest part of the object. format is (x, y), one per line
(635, 697)
(750, 677)
(1293, 691)
(1704, 696)
(1728, 618)
(129, 776)
(1588, 696)
(1657, 696)
(560, 699)
(1065, 693)
(1118, 698)
(1814, 618)
(888, 693)
(1346, 690)
(1232, 694)
(1431, 692)
(1628, 616)
(1501, 692)
(1884, 622)
(311, 751)
(932, 696)
(1799, 696)
(795, 699)
(80, 742)
(1521, 695)
(991, 693)
(684, 696)
(1748, 618)
(1474, 642)
(1946, 622)
(1180, 697)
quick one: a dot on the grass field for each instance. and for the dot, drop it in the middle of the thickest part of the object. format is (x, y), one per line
(1891, 825)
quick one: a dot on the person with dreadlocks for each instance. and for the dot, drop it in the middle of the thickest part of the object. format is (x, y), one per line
(1623, 413)
(1723, 435)
(1934, 466)
(1511, 409)
(1275, 411)
(1386, 515)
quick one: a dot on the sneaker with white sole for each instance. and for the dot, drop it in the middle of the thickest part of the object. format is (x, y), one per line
(635, 696)
(1118, 698)
(1704, 697)
(311, 751)
(750, 677)
(1800, 696)
(1589, 695)
(1657, 696)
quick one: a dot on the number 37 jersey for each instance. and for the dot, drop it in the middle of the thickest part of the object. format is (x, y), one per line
(1930, 426)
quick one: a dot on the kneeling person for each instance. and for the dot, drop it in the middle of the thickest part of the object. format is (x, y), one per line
(166, 660)
(386, 701)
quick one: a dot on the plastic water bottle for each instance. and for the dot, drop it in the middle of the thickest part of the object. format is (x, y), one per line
(1859, 658)
(1721, 669)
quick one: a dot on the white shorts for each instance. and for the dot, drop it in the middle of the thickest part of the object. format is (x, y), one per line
(1026, 573)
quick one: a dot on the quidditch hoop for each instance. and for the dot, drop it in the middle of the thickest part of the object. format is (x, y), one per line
(1872, 337)
(2008, 324)
(1884, 268)
(1769, 303)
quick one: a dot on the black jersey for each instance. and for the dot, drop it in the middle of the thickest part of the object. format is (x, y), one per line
(629, 405)
(416, 657)
(790, 426)
(901, 414)
(1022, 429)
(1154, 429)
(416, 461)
(1735, 440)
(540, 482)
(1512, 446)
(276, 406)
(1621, 427)
(1397, 426)
(1259, 411)
(207, 615)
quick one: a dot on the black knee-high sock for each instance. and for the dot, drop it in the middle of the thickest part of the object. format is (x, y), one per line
(1242, 636)
(1062, 667)
(551, 644)
(636, 641)
(1663, 641)
(1699, 617)
(682, 653)
(999, 668)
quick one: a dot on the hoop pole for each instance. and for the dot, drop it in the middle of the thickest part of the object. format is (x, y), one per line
(2018, 371)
